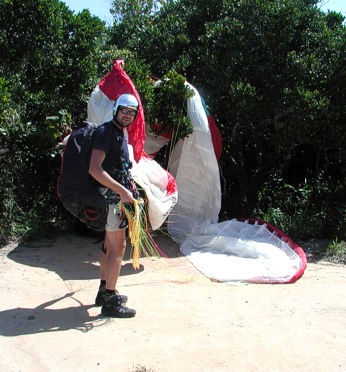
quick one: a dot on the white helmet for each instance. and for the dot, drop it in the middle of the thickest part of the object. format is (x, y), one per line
(125, 100)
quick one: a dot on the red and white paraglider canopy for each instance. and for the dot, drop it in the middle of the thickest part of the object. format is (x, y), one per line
(237, 250)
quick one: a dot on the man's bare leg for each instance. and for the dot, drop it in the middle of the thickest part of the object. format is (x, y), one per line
(104, 263)
(110, 264)
(115, 244)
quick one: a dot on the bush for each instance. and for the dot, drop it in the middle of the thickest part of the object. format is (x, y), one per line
(27, 189)
(168, 114)
(313, 209)
(336, 251)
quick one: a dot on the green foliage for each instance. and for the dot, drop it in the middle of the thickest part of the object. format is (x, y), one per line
(15, 161)
(272, 72)
(164, 102)
(134, 10)
(48, 65)
(139, 73)
(51, 61)
(336, 251)
(5, 99)
(28, 170)
(168, 114)
(60, 125)
(156, 31)
(304, 211)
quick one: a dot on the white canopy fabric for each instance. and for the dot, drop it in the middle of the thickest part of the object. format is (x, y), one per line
(232, 250)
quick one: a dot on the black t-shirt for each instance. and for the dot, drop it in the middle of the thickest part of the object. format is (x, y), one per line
(110, 139)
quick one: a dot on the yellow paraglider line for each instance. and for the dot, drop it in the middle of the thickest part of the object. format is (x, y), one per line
(142, 242)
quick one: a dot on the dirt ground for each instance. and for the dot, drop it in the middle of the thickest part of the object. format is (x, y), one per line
(184, 321)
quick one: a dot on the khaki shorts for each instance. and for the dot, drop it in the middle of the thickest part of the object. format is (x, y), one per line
(115, 218)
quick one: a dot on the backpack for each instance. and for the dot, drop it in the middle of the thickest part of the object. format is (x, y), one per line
(76, 189)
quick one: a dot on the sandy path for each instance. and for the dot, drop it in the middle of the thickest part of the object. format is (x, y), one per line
(184, 322)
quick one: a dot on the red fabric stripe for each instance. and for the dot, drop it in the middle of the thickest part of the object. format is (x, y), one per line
(115, 83)
(216, 137)
(172, 184)
(298, 250)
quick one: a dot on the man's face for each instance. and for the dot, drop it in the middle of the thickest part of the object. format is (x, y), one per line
(125, 116)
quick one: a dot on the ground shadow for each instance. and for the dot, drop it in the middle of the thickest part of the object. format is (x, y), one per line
(25, 321)
(76, 257)
(70, 256)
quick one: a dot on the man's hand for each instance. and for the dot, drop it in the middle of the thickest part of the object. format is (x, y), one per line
(126, 196)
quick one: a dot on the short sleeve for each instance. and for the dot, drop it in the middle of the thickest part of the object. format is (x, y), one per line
(103, 139)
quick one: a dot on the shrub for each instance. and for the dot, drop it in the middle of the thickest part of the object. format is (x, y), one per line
(304, 211)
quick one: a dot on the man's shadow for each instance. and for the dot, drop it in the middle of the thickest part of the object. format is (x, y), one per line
(25, 321)
(73, 258)
(70, 256)
(76, 257)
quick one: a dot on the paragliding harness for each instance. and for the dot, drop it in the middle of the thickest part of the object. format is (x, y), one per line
(77, 190)
(123, 177)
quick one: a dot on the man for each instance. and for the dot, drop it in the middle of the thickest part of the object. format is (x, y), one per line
(109, 165)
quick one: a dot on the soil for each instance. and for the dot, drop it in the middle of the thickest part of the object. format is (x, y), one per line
(184, 321)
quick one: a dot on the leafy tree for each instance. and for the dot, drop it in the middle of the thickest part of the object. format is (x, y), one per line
(131, 18)
(168, 114)
(155, 30)
(279, 104)
(49, 54)
(272, 72)
(49, 61)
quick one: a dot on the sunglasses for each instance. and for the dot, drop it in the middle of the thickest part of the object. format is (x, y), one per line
(126, 111)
